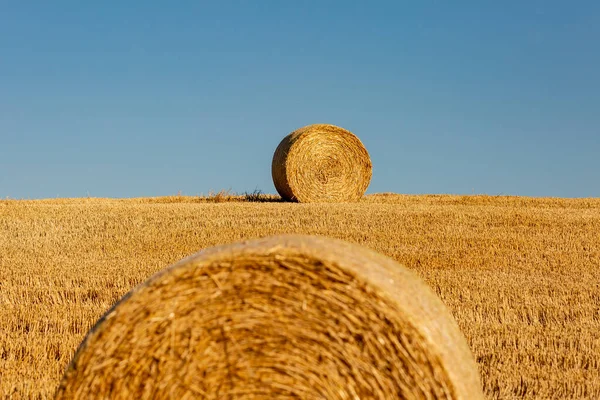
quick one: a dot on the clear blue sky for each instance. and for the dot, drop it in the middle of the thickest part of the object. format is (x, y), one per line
(152, 98)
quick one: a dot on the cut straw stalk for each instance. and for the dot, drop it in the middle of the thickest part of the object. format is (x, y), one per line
(321, 163)
(287, 316)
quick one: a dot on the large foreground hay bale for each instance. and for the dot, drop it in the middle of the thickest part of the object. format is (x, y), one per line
(321, 163)
(281, 317)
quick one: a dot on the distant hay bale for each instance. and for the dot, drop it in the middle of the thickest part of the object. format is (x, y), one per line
(321, 163)
(288, 316)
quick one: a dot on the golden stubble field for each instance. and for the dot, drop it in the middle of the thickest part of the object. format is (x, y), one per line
(520, 275)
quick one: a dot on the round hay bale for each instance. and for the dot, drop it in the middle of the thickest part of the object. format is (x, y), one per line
(281, 317)
(321, 163)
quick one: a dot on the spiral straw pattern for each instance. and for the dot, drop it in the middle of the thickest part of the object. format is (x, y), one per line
(321, 163)
(282, 317)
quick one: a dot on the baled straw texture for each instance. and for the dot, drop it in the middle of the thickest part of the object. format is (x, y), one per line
(321, 163)
(282, 317)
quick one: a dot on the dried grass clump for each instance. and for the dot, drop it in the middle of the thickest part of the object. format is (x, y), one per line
(321, 163)
(283, 317)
